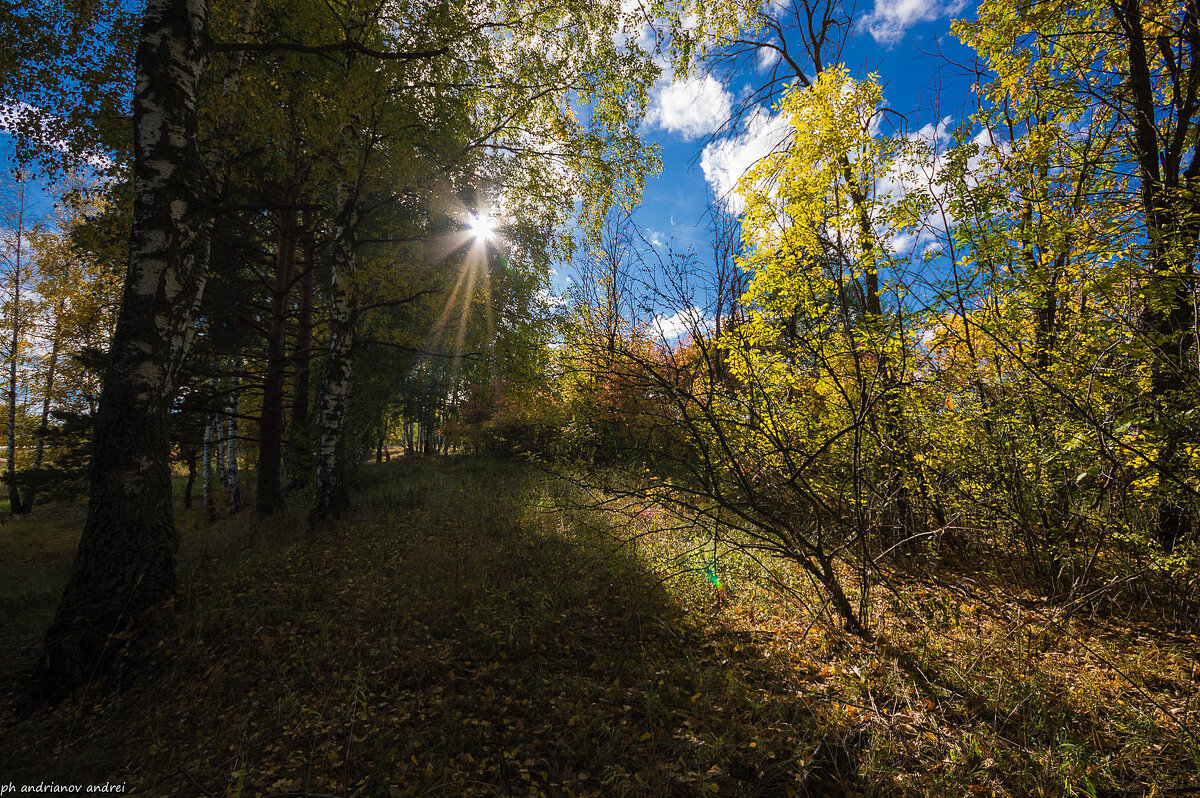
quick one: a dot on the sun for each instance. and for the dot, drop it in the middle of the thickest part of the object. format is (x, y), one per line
(482, 227)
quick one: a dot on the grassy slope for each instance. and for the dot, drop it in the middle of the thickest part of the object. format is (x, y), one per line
(462, 634)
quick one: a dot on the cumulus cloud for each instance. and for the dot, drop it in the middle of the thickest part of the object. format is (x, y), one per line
(922, 172)
(919, 171)
(689, 108)
(767, 58)
(678, 324)
(892, 18)
(725, 161)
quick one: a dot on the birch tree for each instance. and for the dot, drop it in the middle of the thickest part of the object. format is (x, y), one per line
(15, 255)
(126, 557)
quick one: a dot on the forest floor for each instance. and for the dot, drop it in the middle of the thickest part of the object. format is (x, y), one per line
(464, 631)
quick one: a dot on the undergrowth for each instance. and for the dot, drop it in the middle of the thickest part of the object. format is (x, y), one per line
(462, 633)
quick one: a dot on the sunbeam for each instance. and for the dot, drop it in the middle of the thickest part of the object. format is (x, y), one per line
(447, 338)
(482, 227)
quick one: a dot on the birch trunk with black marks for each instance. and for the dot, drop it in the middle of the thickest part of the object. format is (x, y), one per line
(332, 496)
(218, 426)
(125, 562)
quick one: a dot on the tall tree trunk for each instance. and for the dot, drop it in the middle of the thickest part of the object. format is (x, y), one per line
(218, 426)
(1168, 208)
(896, 464)
(299, 446)
(231, 441)
(15, 505)
(39, 450)
(332, 496)
(125, 562)
(206, 466)
(270, 440)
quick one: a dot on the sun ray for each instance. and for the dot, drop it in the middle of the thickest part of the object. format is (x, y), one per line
(482, 227)
(469, 248)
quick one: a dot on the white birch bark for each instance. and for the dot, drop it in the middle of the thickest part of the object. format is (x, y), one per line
(125, 562)
(332, 497)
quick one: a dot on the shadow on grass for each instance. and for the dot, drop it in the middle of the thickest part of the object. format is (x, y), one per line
(37, 550)
(455, 635)
(35, 558)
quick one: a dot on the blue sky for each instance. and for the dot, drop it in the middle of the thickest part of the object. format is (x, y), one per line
(906, 42)
(40, 202)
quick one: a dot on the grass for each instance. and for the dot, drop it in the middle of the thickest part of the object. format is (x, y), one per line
(461, 633)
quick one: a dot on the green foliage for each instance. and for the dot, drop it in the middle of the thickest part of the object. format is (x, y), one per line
(499, 420)
(72, 285)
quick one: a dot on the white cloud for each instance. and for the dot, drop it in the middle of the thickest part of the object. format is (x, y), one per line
(655, 238)
(922, 171)
(918, 170)
(690, 108)
(724, 162)
(678, 324)
(776, 8)
(767, 58)
(550, 299)
(892, 18)
(638, 28)
(938, 135)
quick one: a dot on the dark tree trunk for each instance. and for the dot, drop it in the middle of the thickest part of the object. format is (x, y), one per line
(1168, 197)
(126, 558)
(190, 459)
(15, 505)
(270, 441)
(299, 445)
(231, 466)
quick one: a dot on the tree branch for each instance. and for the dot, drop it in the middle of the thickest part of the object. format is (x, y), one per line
(326, 49)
